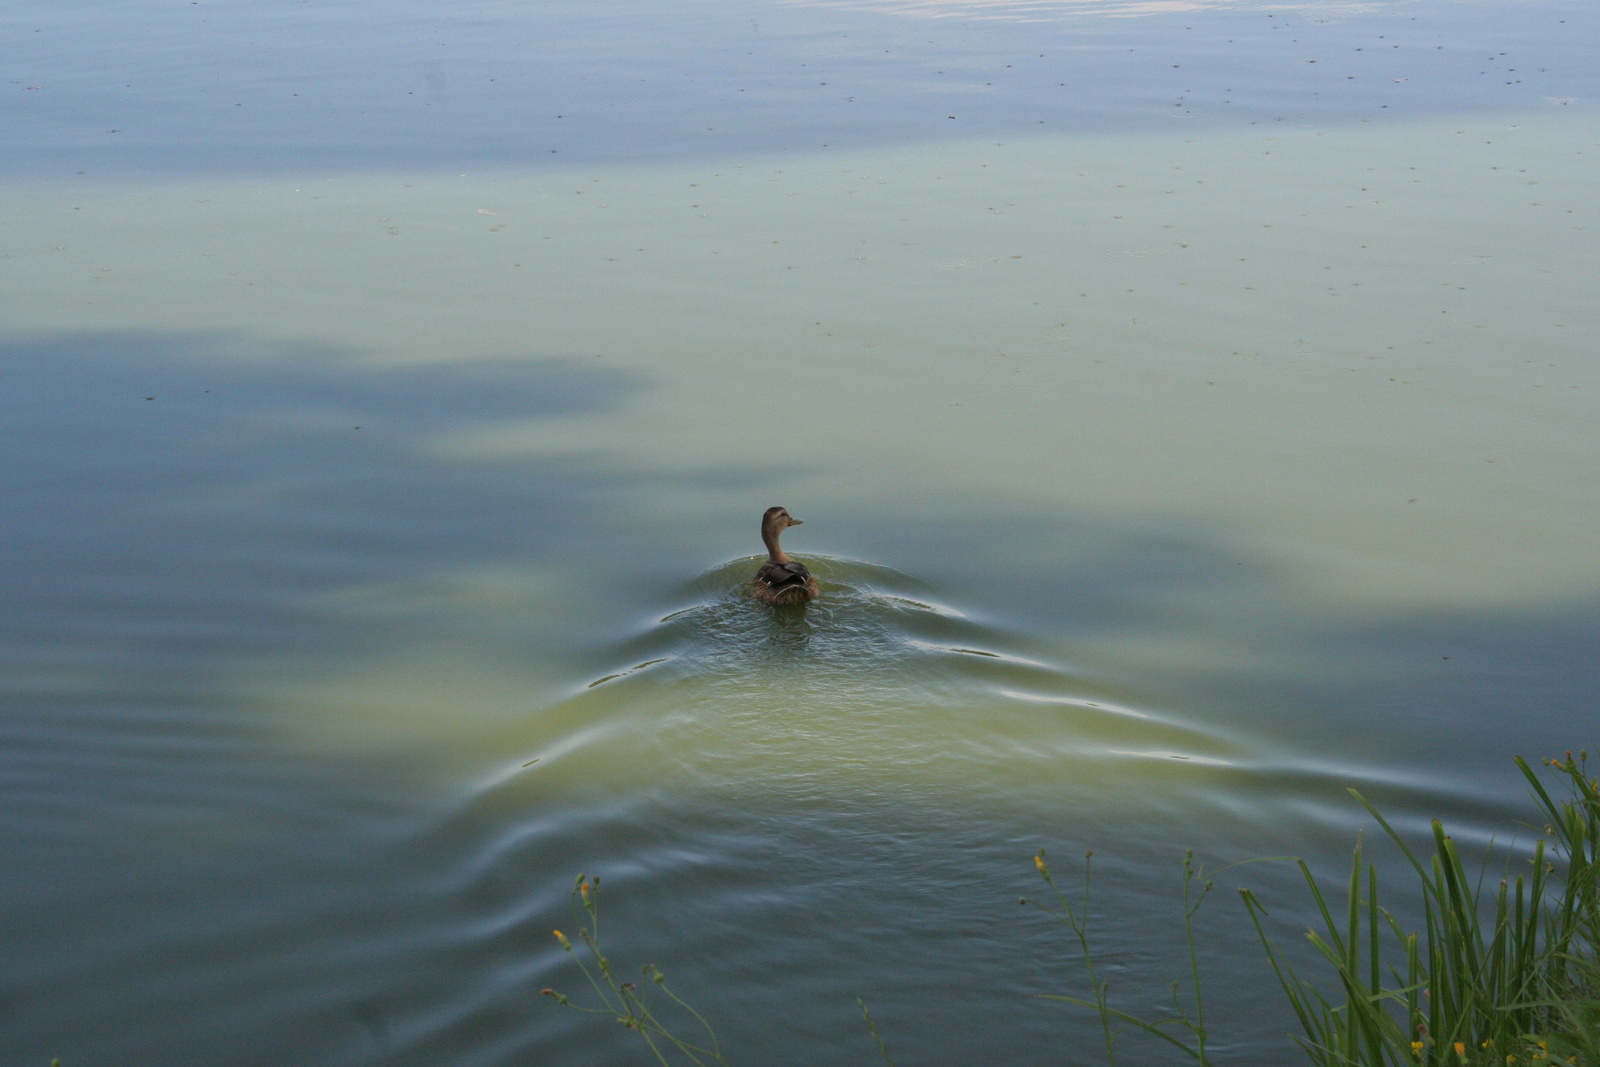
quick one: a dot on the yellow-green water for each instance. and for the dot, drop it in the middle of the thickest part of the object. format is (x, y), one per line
(376, 544)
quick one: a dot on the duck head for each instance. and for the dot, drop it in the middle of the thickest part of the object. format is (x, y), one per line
(778, 520)
(773, 523)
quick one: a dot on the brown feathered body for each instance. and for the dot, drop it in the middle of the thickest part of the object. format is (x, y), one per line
(781, 580)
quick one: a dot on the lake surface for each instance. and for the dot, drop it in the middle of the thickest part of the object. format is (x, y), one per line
(1192, 408)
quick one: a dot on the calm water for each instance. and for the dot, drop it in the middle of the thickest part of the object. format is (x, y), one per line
(1193, 409)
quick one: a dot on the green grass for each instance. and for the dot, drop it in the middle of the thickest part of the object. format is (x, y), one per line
(1503, 971)
(1499, 974)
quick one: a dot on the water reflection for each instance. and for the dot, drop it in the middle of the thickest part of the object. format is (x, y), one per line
(319, 89)
(186, 505)
(308, 727)
(1037, 10)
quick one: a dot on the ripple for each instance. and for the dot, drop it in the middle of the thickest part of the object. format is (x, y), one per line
(1206, 760)
(1040, 698)
(878, 683)
(630, 670)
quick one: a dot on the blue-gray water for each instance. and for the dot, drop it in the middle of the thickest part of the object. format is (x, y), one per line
(1197, 424)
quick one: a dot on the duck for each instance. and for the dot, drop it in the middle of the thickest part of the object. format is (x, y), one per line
(781, 581)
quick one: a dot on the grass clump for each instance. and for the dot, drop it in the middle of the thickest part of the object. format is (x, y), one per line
(1501, 975)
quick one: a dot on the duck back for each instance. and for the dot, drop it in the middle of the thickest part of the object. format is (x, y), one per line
(788, 582)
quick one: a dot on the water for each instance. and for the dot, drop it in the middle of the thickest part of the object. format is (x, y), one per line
(1183, 435)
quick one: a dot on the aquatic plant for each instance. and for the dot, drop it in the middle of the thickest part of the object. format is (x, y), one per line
(629, 1004)
(1197, 885)
(626, 1001)
(1077, 920)
(1508, 977)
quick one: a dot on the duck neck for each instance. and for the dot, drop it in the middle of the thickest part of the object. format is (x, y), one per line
(774, 551)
